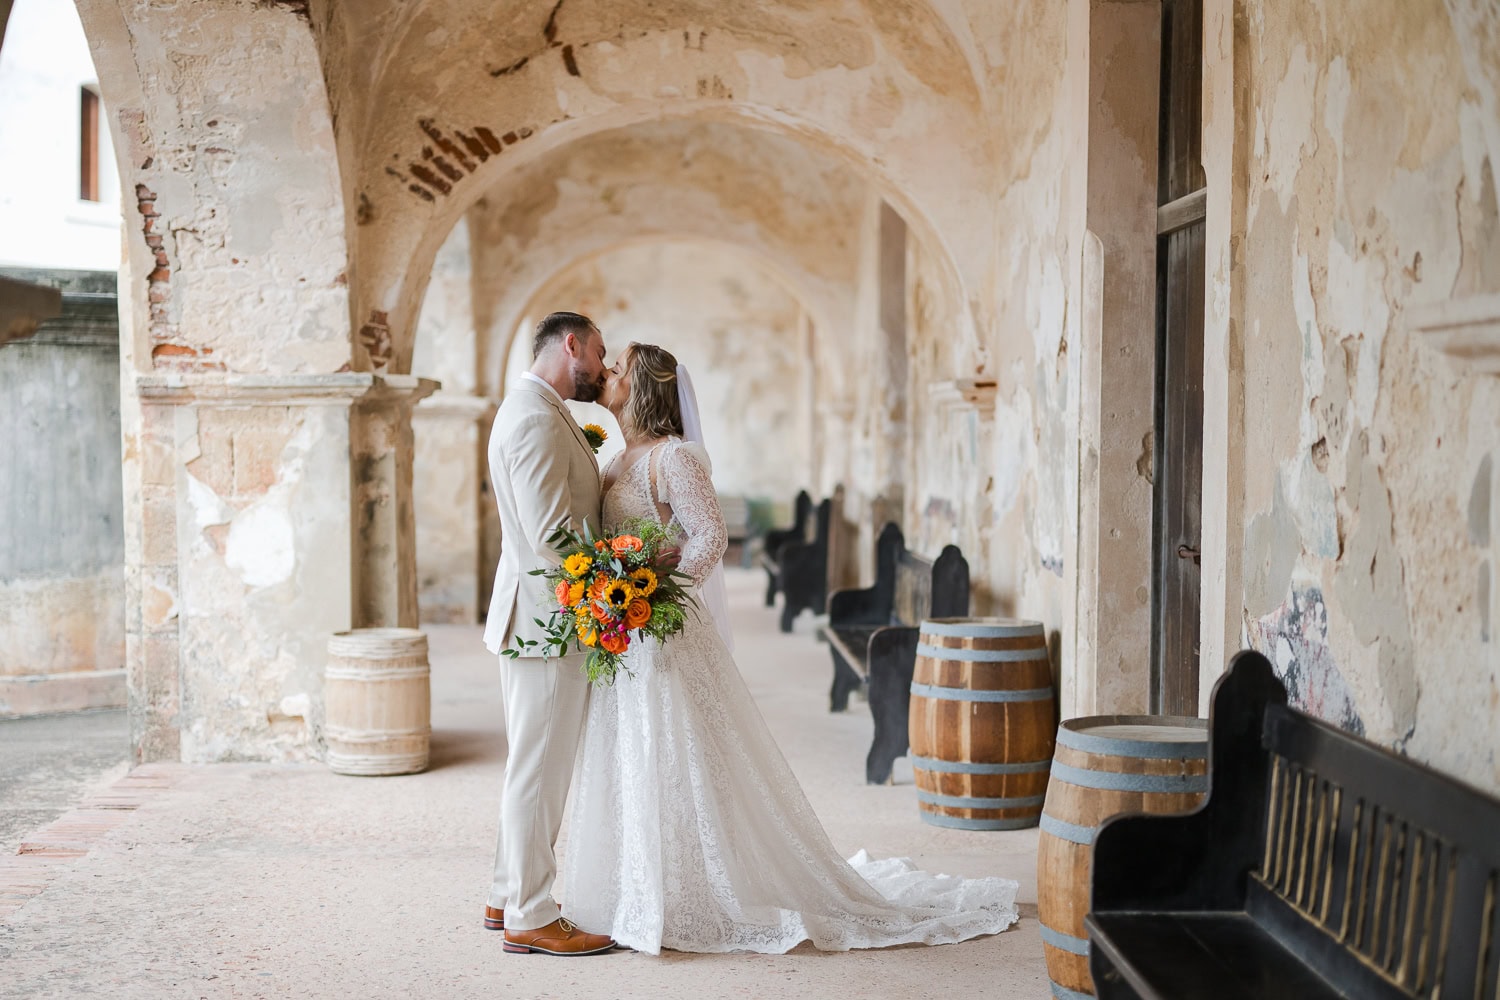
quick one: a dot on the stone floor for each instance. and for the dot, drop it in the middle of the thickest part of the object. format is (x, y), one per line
(281, 881)
(48, 763)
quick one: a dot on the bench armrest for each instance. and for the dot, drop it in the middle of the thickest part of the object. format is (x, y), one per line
(1201, 860)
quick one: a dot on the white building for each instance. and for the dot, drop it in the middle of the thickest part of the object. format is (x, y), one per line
(59, 189)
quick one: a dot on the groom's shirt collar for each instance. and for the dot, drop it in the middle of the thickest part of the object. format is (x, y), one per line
(544, 384)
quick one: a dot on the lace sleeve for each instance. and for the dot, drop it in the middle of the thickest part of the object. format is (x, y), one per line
(687, 488)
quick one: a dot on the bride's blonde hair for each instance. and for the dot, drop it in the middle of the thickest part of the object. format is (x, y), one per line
(653, 409)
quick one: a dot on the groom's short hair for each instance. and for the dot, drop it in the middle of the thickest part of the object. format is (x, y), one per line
(555, 327)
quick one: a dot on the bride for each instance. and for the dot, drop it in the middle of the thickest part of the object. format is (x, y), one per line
(689, 831)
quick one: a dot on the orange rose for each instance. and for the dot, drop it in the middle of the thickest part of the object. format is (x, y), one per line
(599, 546)
(599, 586)
(626, 543)
(615, 642)
(562, 592)
(638, 614)
(600, 611)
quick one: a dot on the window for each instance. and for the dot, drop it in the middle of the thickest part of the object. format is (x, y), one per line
(88, 144)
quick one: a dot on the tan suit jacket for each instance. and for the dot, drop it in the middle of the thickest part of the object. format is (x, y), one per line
(544, 474)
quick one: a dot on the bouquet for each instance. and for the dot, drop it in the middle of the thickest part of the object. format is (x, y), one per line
(611, 591)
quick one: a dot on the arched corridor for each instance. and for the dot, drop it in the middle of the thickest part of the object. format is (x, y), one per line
(1178, 319)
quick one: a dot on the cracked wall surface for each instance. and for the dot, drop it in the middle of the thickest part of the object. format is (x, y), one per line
(1368, 173)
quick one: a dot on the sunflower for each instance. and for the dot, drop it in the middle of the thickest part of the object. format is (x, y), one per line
(644, 581)
(618, 594)
(577, 564)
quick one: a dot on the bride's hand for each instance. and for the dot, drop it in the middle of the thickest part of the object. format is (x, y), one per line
(670, 556)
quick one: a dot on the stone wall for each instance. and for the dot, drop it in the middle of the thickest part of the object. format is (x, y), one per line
(266, 486)
(62, 545)
(452, 428)
(1368, 457)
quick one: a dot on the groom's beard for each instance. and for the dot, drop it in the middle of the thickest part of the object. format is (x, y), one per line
(586, 391)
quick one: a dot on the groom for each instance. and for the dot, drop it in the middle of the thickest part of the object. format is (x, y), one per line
(544, 474)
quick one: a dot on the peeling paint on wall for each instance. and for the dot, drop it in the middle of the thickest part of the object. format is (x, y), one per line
(1294, 638)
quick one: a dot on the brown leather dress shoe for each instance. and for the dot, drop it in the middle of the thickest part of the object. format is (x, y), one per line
(494, 920)
(558, 938)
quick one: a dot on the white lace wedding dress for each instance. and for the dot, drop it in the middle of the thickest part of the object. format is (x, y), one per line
(688, 829)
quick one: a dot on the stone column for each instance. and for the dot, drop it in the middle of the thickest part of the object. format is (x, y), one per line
(452, 430)
(245, 551)
(385, 520)
(891, 370)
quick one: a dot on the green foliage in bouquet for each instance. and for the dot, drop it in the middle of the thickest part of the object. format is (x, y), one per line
(611, 592)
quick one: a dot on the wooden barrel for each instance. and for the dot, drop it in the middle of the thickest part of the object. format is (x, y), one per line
(1105, 765)
(377, 700)
(981, 723)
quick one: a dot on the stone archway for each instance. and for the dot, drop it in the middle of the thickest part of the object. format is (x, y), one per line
(889, 88)
(750, 297)
(822, 226)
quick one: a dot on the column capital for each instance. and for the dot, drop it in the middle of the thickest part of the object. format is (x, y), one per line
(233, 389)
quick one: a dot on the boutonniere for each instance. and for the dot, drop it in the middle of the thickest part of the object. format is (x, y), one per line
(595, 436)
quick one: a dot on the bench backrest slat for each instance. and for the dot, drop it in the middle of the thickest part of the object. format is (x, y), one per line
(913, 589)
(1400, 864)
(931, 588)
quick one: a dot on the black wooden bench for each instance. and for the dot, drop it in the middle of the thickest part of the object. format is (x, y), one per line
(802, 569)
(872, 634)
(770, 552)
(1320, 865)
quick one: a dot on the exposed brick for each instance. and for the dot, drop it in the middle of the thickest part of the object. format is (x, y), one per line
(427, 177)
(376, 338)
(491, 142)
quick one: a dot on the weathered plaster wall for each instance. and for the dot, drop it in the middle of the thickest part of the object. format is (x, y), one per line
(451, 429)
(461, 103)
(791, 205)
(239, 518)
(231, 185)
(1367, 164)
(62, 547)
(1037, 53)
(949, 461)
(733, 324)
